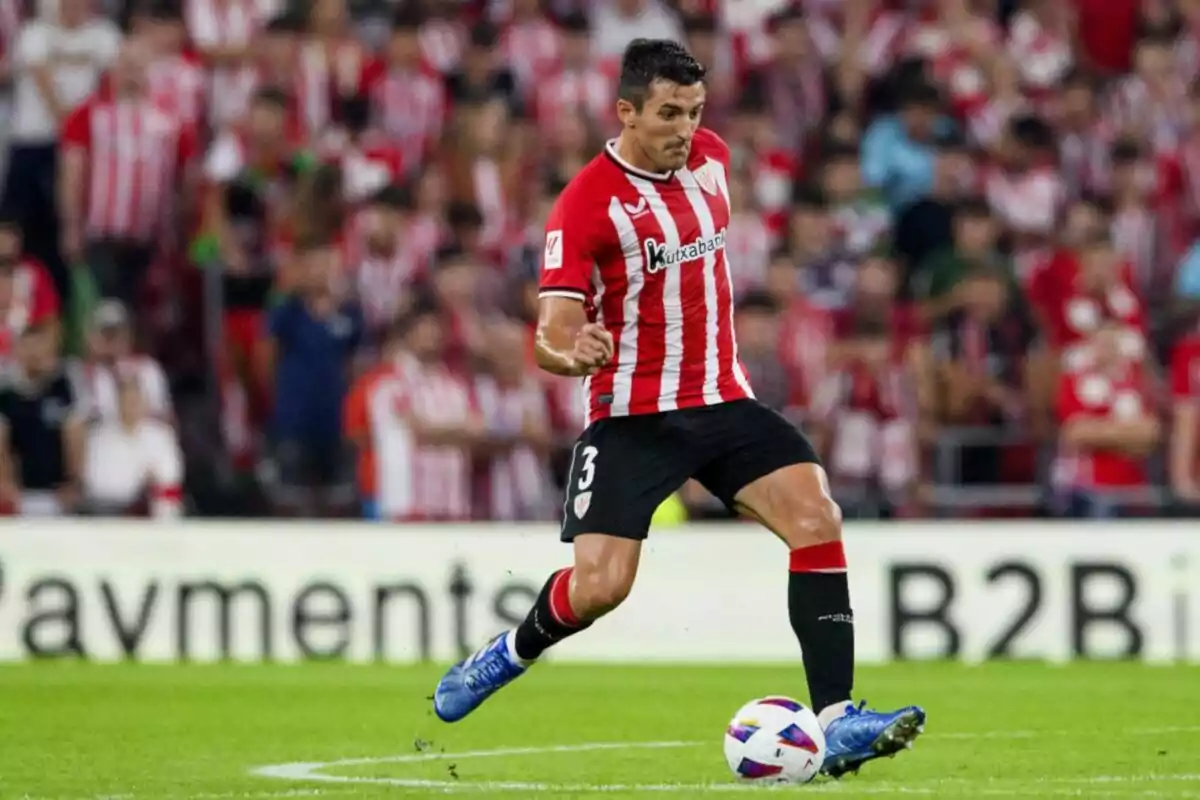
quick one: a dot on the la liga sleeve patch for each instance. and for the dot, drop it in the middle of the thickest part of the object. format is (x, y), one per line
(553, 257)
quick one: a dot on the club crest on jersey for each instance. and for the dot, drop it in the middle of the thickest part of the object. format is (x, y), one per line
(708, 182)
(659, 257)
(583, 501)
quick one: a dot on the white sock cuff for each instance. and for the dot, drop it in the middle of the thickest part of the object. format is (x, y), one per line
(510, 641)
(834, 712)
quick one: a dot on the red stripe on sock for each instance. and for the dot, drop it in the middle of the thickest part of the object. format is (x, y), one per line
(560, 598)
(824, 557)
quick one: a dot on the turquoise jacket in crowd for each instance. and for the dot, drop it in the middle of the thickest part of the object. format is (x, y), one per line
(894, 164)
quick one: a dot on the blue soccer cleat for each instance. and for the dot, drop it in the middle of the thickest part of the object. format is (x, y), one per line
(468, 683)
(862, 735)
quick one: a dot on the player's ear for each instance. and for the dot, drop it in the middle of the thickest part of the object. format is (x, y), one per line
(627, 113)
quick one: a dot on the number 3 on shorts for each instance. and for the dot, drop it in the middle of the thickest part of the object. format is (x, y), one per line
(587, 468)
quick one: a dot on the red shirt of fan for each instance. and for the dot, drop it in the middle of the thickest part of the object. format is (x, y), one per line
(1091, 395)
(645, 253)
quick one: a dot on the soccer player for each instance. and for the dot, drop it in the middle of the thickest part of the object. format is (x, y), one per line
(636, 300)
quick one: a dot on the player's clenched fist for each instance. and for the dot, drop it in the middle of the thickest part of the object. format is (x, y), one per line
(593, 349)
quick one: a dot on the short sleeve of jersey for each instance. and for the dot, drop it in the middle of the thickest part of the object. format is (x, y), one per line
(569, 251)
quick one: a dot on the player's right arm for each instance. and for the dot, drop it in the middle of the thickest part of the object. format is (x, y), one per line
(566, 342)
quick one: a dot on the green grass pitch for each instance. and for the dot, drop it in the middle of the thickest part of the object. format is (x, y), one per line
(127, 732)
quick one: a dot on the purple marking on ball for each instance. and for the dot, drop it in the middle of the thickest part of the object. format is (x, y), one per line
(742, 732)
(754, 770)
(795, 736)
(782, 702)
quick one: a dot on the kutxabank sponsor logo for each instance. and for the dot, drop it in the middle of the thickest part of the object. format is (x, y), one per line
(659, 256)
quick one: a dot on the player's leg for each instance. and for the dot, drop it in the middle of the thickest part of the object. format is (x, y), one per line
(767, 470)
(621, 471)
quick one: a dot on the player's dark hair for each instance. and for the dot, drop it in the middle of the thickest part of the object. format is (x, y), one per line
(649, 60)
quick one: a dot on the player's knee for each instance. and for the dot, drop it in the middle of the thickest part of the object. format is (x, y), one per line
(600, 588)
(812, 520)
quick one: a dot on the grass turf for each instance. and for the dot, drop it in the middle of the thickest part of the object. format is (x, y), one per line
(75, 731)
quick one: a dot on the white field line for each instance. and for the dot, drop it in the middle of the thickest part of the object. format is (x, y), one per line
(1047, 787)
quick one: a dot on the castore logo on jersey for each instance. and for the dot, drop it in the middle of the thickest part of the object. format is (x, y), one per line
(658, 257)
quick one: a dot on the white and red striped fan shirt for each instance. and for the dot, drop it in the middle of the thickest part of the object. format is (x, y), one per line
(410, 107)
(326, 72)
(1157, 114)
(97, 386)
(381, 279)
(514, 484)
(442, 44)
(179, 85)
(416, 481)
(646, 254)
(220, 24)
(135, 152)
(1041, 53)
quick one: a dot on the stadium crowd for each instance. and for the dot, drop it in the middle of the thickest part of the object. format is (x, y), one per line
(270, 257)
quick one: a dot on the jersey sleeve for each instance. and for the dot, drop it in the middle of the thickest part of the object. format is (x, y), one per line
(569, 254)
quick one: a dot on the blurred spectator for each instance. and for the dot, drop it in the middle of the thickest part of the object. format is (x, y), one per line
(175, 78)
(483, 77)
(383, 266)
(925, 226)
(757, 327)
(412, 422)
(511, 477)
(27, 294)
(367, 159)
(974, 246)
(898, 150)
(110, 360)
(615, 23)
(223, 32)
(861, 221)
(409, 106)
(579, 87)
(43, 431)
(57, 63)
(123, 168)
(826, 268)
(333, 67)
(312, 337)
(1109, 428)
(132, 464)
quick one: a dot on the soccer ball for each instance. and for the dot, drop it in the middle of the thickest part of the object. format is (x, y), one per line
(775, 740)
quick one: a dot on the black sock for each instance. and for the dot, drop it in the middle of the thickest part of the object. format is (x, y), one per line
(550, 620)
(819, 609)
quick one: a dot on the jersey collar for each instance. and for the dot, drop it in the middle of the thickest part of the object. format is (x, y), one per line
(610, 150)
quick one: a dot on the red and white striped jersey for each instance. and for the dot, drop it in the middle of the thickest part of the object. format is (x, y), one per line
(96, 386)
(1028, 202)
(645, 252)
(1159, 115)
(513, 484)
(218, 24)
(27, 298)
(367, 165)
(381, 279)
(410, 107)
(178, 85)
(135, 152)
(415, 481)
(326, 72)
(1041, 54)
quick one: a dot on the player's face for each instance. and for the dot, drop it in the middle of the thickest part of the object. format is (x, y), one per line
(668, 120)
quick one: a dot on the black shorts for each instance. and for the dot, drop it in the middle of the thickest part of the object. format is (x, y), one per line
(623, 468)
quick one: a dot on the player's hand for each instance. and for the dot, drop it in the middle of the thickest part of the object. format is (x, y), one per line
(593, 349)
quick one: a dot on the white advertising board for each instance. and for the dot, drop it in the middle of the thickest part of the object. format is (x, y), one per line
(264, 590)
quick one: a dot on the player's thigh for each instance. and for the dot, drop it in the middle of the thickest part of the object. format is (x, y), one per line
(765, 468)
(622, 469)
